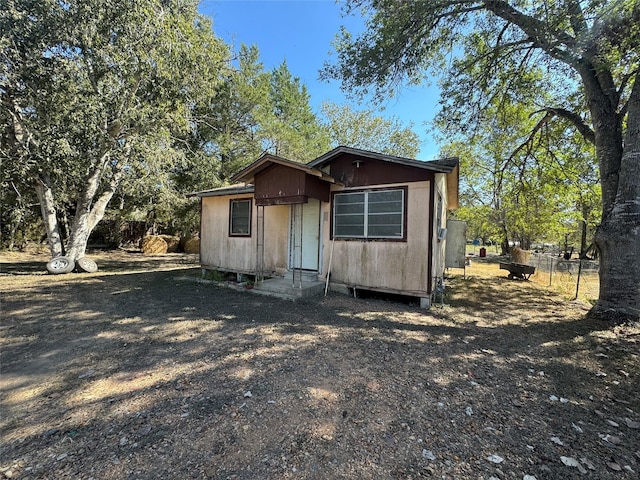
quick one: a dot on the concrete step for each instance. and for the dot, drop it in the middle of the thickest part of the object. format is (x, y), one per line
(283, 288)
(307, 276)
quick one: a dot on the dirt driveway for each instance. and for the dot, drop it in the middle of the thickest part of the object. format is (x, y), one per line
(139, 372)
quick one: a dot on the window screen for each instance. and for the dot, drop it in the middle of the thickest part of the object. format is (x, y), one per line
(240, 218)
(376, 214)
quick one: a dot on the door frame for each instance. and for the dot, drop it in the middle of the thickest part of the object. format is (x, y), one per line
(290, 254)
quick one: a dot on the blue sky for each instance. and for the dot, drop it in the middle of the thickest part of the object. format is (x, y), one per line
(300, 32)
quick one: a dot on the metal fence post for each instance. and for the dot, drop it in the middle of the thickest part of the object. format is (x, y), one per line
(578, 282)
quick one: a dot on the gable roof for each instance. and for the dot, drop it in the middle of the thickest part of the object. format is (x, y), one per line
(246, 176)
(444, 165)
(265, 161)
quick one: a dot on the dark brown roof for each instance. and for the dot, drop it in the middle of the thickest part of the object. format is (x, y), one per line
(444, 165)
(266, 160)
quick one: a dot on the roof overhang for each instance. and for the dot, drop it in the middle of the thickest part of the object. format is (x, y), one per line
(444, 165)
(453, 188)
(267, 160)
(219, 192)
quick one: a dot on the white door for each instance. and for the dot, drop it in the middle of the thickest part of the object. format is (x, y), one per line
(308, 245)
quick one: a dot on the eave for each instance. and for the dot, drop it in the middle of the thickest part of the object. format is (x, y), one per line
(444, 165)
(267, 160)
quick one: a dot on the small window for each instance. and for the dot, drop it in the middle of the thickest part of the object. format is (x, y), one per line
(240, 218)
(375, 214)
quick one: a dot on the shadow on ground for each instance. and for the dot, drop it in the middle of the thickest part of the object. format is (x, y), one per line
(144, 374)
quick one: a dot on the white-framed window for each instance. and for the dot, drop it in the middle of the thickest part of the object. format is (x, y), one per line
(374, 214)
(240, 218)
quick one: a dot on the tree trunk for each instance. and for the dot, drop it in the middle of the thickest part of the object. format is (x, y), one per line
(584, 226)
(63, 225)
(618, 237)
(504, 244)
(88, 216)
(48, 209)
(16, 218)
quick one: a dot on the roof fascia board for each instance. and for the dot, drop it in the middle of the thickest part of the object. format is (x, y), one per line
(219, 192)
(434, 165)
(248, 173)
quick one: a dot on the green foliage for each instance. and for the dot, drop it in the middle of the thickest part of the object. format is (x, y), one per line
(95, 91)
(136, 102)
(562, 63)
(540, 192)
(214, 275)
(291, 129)
(364, 129)
(480, 222)
(251, 111)
(225, 137)
(484, 49)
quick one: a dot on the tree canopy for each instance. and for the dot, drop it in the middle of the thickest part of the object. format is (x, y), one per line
(525, 181)
(123, 108)
(492, 51)
(292, 129)
(368, 131)
(93, 91)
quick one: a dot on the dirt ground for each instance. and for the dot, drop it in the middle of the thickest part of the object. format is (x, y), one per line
(140, 372)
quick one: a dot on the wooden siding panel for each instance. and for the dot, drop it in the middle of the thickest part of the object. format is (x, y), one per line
(279, 184)
(453, 182)
(394, 266)
(279, 181)
(439, 245)
(219, 250)
(282, 200)
(316, 188)
(371, 172)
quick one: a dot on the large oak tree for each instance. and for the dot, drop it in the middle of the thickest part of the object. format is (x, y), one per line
(590, 50)
(368, 131)
(94, 91)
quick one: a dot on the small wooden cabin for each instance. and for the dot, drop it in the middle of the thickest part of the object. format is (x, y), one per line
(373, 221)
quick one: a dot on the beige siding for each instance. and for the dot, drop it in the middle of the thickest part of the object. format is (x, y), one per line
(276, 238)
(219, 250)
(439, 245)
(387, 266)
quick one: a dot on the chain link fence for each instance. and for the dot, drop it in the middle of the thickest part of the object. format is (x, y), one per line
(574, 278)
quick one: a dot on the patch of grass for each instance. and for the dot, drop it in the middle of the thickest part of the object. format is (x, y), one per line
(214, 275)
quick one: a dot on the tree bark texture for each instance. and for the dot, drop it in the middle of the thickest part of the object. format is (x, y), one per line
(618, 237)
(49, 216)
(89, 213)
(584, 226)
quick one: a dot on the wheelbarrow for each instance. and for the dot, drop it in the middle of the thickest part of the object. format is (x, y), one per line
(518, 270)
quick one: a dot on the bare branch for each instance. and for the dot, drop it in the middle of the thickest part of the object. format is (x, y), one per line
(540, 33)
(576, 17)
(572, 117)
